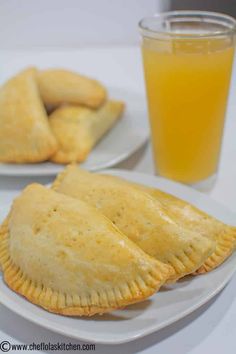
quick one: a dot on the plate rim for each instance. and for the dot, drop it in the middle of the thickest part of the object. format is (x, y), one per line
(151, 329)
(133, 337)
(99, 167)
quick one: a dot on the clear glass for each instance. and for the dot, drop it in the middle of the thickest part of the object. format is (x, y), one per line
(187, 57)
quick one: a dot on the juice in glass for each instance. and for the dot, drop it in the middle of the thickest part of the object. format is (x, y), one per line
(187, 80)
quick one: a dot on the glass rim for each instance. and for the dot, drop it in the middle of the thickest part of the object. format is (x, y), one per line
(228, 21)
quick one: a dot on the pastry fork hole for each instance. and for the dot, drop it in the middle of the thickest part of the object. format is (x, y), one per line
(52, 211)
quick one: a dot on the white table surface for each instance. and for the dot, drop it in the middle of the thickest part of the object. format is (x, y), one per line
(212, 328)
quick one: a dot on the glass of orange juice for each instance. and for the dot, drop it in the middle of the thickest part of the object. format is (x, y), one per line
(187, 58)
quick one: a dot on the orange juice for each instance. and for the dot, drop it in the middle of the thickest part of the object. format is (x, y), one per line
(187, 88)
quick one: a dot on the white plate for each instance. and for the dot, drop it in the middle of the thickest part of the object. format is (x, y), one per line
(128, 135)
(169, 305)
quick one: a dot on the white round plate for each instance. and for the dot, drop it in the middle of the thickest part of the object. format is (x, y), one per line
(128, 135)
(167, 306)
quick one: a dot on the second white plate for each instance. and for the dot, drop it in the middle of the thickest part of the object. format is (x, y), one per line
(128, 135)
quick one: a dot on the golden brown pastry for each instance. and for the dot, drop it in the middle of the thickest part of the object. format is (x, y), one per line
(140, 217)
(66, 257)
(77, 129)
(63, 86)
(194, 219)
(25, 135)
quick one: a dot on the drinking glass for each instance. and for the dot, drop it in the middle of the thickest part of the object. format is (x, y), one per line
(187, 57)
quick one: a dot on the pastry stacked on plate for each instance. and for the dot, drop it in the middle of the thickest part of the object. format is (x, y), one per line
(80, 115)
(94, 243)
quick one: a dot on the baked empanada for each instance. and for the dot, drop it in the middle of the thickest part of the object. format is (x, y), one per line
(25, 135)
(194, 219)
(66, 257)
(77, 129)
(63, 86)
(140, 217)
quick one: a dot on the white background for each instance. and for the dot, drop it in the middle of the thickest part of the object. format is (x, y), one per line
(110, 23)
(27, 23)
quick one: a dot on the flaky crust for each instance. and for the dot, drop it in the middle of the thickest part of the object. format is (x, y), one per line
(140, 217)
(196, 220)
(25, 135)
(58, 86)
(77, 129)
(69, 259)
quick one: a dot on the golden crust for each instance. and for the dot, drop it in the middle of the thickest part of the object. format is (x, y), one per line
(59, 86)
(25, 135)
(225, 245)
(3, 230)
(77, 129)
(140, 217)
(225, 239)
(196, 220)
(53, 251)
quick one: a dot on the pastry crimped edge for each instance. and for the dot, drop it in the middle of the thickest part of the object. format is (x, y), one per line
(225, 241)
(225, 246)
(63, 158)
(30, 158)
(68, 305)
(180, 263)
